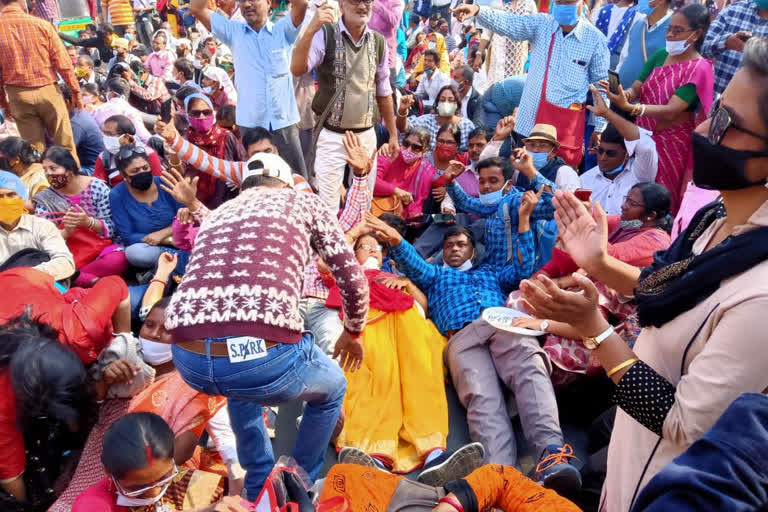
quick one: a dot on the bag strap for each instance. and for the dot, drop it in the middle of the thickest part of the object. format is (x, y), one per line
(642, 42)
(508, 231)
(546, 70)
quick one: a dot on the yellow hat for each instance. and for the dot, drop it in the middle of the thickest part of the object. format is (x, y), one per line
(120, 42)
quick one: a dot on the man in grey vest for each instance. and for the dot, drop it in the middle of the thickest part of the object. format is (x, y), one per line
(353, 88)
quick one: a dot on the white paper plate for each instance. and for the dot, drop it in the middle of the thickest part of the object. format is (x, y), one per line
(502, 318)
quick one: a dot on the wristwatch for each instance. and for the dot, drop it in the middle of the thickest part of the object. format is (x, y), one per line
(544, 325)
(593, 342)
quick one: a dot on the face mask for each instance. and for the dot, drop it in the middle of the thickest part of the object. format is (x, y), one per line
(125, 501)
(141, 181)
(432, 45)
(11, 209)
(112, 144)
(566, 14)
(463, 268)
(196, 63)
(631, 224)
(446, 109)
(539, 160)
(409, 156)
(59, 180)
(208, 90)
(202, 125)
(371, 264)
(492, 198)
(81, 72)
(615, 171)
(128, 37)
(445, 151)
(429, 71)
(87, 100)
(155, 353)
(677, 47)
(720, 167)
(457, 85)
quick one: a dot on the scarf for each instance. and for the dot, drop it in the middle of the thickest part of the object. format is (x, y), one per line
(215, 144)
(678, 280)
(52, 201)
(382, 298)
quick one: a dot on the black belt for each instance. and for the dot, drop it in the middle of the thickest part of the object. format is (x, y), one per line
(345, 130)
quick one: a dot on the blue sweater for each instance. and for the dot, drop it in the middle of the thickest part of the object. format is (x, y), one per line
(135, 220)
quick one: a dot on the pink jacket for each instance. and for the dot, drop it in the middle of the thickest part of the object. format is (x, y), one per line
(416, 179)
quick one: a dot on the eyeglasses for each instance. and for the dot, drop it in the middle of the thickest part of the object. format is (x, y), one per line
(132, 493)
(447, 142)
(129, 151)
(358, 2)
(631, 204)
(411, 145)
(676, 31)
(200, 113)
(721, 121)
(371, 248)
(610, 153)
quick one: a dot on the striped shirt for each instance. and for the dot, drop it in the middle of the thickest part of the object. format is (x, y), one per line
(31, 53)
(579, 58)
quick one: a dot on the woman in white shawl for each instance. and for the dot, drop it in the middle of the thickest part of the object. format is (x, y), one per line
(217, 85)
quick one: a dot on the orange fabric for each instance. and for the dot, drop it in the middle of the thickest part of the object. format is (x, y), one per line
(183, 408)
(505, 488)
(365, 488)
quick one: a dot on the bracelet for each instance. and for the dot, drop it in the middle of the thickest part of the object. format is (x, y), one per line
(351, 333)
(158, 281)
(91, 223)
(452, 502)
(642, 111)
(621, 366)
(401, 115)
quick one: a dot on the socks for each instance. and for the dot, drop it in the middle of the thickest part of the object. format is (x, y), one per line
(433, 455)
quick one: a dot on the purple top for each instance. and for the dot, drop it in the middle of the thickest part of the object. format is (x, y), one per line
(385, 19)
(317, 54)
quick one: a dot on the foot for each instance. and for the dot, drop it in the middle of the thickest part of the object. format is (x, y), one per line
(350, 455)
(555, 470)
(452, 466)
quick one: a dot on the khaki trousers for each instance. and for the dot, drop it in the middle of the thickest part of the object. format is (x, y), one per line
(37, 109)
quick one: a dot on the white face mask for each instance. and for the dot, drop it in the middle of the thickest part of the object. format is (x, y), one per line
(445, 108)
(125, 501)
(196, 63)
(677, 47)
(112, 144)
(463, 268)
(371, 264)
(208, 90)
(155, 353)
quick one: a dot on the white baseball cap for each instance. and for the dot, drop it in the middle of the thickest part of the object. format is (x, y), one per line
(268, 164)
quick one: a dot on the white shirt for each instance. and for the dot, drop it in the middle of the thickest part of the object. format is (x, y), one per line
(465, 102)
(565, 179)
(480, 80)
(432, 85)
(641, 167)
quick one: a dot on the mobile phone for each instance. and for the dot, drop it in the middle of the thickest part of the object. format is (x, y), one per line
(583, 194)
(165, 111)
(443, 218)
(613, 82)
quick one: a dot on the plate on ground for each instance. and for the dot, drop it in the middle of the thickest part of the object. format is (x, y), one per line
(502, 318)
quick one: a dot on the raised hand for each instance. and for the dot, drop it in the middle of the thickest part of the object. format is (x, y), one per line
(454, 170)
(599, 108)
(465, 11)
(529, 202)
(182, 189)
(323, 15)
(406, 102)
(522, 161)
(506, 126)
(166, 264)
(166, 130)
(584, 237)
(357, 156)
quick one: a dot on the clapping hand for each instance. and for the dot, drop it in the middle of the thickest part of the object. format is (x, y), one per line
(544, 299)
(584, 238)
(75, 217)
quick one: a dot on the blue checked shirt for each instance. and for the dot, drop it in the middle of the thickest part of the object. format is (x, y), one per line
(457, 298)
(495, 227)
(734, 18)
(578, 59)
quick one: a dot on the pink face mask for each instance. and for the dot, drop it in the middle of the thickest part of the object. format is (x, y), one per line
(202, 124)
(409, 156)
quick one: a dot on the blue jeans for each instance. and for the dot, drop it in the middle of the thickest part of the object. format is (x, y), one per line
(286, 373)
(143, 255)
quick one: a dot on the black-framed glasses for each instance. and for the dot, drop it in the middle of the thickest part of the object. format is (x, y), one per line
(129, 151)
(201, 113)
(412, 145)
(721, 121)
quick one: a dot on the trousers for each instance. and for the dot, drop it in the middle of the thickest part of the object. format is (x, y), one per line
(479, 356)
(330, 163)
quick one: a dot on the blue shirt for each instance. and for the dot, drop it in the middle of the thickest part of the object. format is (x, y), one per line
(457, 298)
(579, 58)
(734, 18)
(89, 141)
(263, 79)
(632, 59)
(496, 229)
(135, 220)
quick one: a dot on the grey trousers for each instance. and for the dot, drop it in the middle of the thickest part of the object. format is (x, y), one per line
(288, 144)
(480, 355)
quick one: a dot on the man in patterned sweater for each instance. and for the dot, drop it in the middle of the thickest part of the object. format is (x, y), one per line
(236, 321)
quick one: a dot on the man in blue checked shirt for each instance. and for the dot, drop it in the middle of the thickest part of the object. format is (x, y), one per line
(500, 200)
(478, 354)
(726, 37)
(579, 57)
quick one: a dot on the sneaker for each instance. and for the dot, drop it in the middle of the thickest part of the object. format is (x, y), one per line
(555, 471)
(452, 466)
(351, 455)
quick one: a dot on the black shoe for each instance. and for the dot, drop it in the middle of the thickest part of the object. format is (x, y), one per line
(452, 466)
(351, 455)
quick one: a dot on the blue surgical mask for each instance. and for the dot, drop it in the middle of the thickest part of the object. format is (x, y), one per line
(643, 7)
(615, 171)
(566, 14)
(492, 198)
(539, 160)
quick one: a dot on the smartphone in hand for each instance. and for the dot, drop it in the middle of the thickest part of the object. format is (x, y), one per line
(613, 82)
(165, 111)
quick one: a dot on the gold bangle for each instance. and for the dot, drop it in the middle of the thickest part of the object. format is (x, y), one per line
(621, 366)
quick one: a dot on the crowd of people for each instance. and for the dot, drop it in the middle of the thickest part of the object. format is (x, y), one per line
(555, 210)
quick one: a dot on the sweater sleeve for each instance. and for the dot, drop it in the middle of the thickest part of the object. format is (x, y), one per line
(505, 488)
(329, 241)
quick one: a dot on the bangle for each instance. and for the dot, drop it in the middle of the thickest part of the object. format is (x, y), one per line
(452, 502)
(621, 366)
(642, 110)
(158, 281)
(401, 115)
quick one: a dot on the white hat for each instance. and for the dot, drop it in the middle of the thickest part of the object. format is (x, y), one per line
(268, 164)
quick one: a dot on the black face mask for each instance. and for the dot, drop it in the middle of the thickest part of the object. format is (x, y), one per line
(141, 181)
(721, 167)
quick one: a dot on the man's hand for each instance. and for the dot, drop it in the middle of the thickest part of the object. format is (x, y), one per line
(155, 238)
(349, 351)
(166, 264)
(594, 141)
(466, 11)
(119, 372)
(529, 202)
(619, 99)
(406, 102)
(393, 147)
(384, 231)
(182, 189)
(505, 127)
(323, 15)
(478, 62)
(523, 161)
(165, 130)
(454, 170)
(79, 105)
(396, 283)
(405, 197)
(736, 40)
(357, 156)
(438, 194)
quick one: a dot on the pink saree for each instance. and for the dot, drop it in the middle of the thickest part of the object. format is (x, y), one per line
(674, 143)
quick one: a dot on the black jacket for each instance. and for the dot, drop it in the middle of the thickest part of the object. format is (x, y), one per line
(475, 111)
